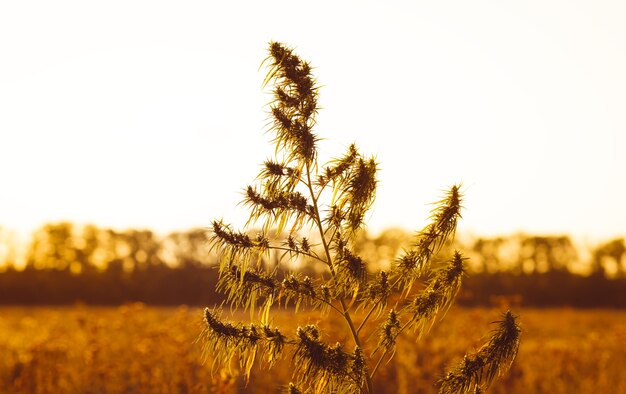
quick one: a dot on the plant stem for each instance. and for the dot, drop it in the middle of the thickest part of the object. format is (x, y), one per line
(358, 330)
(387, 349)
(299, 252)
(369, 314)
(346, 313)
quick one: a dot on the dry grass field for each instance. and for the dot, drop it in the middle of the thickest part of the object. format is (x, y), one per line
(139, 349)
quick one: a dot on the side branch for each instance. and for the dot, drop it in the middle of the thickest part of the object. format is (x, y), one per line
(478, 370)
(224, 340)
(300, 252)
(346, 313)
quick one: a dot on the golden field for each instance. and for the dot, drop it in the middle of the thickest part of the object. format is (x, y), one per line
(140, 349)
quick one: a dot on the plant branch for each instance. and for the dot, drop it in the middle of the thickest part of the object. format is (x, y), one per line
(387, 349)
(369, 314)
(299, 252)
(346, 313)
(358, 330)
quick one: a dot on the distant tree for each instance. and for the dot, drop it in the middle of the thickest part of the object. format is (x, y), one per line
(611, 252)
(87, 244)
(52, 246)
(563, 254)
(135, 249)
(297, 194)
(546, 253)
(488, 251)
(8, 254)
(185, 248)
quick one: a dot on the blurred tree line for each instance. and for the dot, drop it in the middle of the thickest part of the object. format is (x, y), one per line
(65, 263)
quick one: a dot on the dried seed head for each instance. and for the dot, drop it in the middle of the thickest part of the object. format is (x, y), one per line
(478, 370)
(351, 271)
(389, 331)
(293, 389)
(295, 104)
(429, 241)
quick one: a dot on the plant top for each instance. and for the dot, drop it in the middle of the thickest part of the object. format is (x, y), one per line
(312, 212)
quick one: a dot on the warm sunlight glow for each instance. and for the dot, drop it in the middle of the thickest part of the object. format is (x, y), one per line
(152, 115)
(356, 196)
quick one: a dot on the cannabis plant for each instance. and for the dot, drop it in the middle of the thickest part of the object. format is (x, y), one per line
(310, 212)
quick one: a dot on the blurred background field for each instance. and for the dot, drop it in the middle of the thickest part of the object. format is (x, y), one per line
(55, 339)
(141, 349)
(116, 142)
(64, 263)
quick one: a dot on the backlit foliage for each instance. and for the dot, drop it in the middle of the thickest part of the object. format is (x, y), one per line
(297, 197)
(147, 350)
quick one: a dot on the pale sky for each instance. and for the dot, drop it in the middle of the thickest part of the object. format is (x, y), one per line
(151, 114)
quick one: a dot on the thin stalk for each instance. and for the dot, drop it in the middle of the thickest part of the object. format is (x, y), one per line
(369, 314)
(332, 306)
(387, 349)
(299, 252)
(358, 330)
(316, 258)
(346, 314)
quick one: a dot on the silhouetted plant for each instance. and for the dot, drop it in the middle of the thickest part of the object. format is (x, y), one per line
(294, 192)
